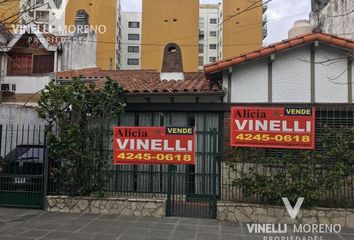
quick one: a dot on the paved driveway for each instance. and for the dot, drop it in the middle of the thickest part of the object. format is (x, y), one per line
(23, 224)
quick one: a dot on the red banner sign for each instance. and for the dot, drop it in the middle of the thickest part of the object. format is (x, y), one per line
(273, 127)
(154, 145)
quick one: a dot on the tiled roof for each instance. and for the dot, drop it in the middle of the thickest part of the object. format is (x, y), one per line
(144, 81)
(278, 47)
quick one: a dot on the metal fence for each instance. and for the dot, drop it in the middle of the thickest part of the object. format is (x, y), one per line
(21, 166)
(335, 117)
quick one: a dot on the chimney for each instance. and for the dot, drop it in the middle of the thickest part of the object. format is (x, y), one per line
(172, 66)
(82, 22)
(300, 27)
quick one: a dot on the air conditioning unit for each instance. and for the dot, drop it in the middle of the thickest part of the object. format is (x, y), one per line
(5, 87)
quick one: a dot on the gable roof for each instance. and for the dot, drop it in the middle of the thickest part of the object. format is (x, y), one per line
(144, 81)
(278, 47)
(49, 41)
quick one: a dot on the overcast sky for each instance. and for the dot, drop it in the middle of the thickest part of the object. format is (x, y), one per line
(281, 15)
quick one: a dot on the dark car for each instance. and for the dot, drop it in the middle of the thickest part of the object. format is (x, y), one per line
(22, 168)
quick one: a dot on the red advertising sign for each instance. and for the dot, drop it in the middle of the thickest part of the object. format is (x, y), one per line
(154, 145)
(273, 127)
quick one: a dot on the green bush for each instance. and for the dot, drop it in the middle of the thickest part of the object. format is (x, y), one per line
(296, 173)
(78, 117)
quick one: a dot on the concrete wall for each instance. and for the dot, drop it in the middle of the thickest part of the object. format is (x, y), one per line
(27, 84)
(336, 17)
(78, 52)
(290, 78)
(18, 115)
(20, 126)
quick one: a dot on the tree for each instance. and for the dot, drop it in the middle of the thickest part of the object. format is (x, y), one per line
(78, 117)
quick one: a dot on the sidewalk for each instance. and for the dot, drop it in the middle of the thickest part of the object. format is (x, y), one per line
(21, 224)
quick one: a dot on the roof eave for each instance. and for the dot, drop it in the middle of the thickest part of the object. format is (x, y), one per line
(155, 94)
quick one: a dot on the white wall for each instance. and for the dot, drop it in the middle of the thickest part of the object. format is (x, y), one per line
(78, 52)
(291, 78)
(331, 76)
(337, 18)
(125, 55)
(19, 115)
(28, 84)
(252, 82)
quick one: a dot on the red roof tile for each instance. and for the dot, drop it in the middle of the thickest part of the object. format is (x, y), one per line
(277, 47)
(144, 81)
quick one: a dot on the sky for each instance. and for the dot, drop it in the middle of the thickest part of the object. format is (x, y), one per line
(281, 15)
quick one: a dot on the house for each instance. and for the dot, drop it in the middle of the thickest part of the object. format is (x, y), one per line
(171, 97)
(30, 58)
(309, 70)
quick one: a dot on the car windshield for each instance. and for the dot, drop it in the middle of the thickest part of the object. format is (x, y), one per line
(31, 154)
(26, 154)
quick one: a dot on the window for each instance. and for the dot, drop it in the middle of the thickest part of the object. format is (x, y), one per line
(201, 23)
(212, 33)
(43, 63)
(212, 46)
(133, 49)
(132, 36)
(212, 59)
(213, 20)
(133, 61)
(134, 24)
(20, 65)
(42, 16)
(201, 48)
(201, 61)
(201, 35)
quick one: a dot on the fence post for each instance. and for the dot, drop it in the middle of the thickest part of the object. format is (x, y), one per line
(215, 139)
(45, 171)
(169, 190)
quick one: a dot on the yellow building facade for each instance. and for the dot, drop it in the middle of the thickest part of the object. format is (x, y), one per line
(241, 32)
(9, 11)
(101, 12)
(172, 21)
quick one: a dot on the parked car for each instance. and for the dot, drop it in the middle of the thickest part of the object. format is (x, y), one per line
(22, 168)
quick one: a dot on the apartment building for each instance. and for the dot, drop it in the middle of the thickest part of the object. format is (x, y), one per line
(209, 32)
(204, 32)
(242, 27)
(131, 41)
(170, 22)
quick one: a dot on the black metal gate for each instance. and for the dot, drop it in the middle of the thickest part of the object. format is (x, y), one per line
(192, 190)
(22, 161)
